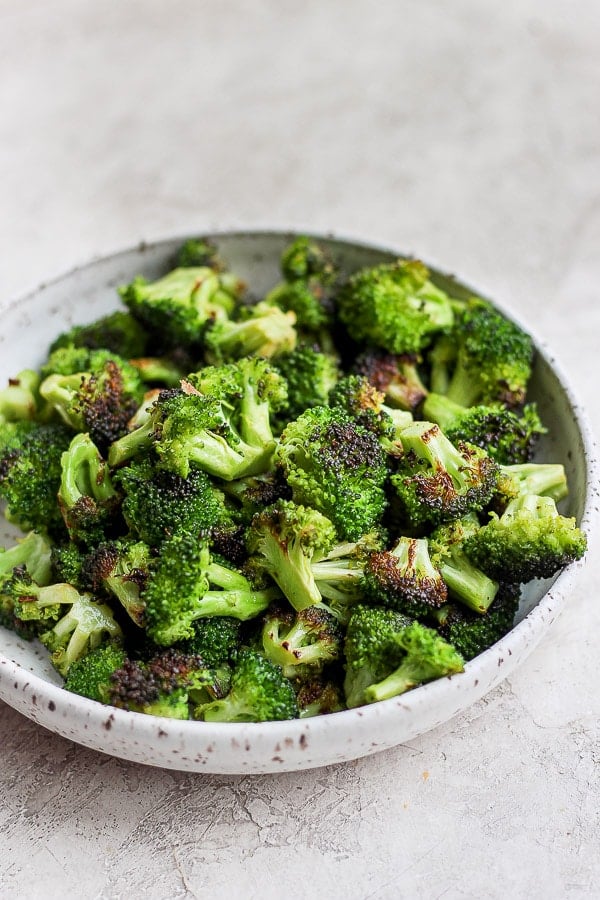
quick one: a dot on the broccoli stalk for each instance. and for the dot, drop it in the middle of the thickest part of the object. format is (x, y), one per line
(20, 399)
(465, 582)
(34, 552)
(84, 627)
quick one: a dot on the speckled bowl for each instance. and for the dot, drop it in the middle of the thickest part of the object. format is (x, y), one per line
(30, 685)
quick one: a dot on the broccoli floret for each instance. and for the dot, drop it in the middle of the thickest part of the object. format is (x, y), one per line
(85, 626)
(32, 602)
(530, 540)
(198, 252)
(215, 639)
(426, 656)
(465, 581)
(86, 497)
(318, 697)
(470, 633)
(177, 308)
(91, 675)
(307, 290)
(30, 473)
(541, 479)
(437, 481)
(506, 437)
(34, 552)
(256, 492)
(357, 397)
(494, 357)
(161, 370)
(287, 537)
(266, 331)
(158, 503)
(185, 584)
(120, 569)
(394, 306)
(311, 637)
(310, 374)
(339, 574)
(337, 467)
(303, 258)
(67, 562)
(20, 399)
(259, 693)
(118, 332)
(370, 648)
(404, 578)
(396, 377)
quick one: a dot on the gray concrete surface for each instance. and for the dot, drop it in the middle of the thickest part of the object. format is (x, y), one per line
(467, 132)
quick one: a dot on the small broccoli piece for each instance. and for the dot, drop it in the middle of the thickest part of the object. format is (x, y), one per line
(427, 656)
(256, 492)
(339, 574)
(311, 637)
(470, 633)
(259, 693)
(370, 648)
(396, 377)
(357, 397)
(34, 552)
(318, 697)
(158, 503)
(67, 562)
(181, 588)
(20, 400)
(120, 569)
(83, 628)
(86, 497)
(303, 258)
(530, 540)
(506, 437)
(394, 306)
(215, 639)
(198, 252)
(32, 602)
(465, 582)
(494, 357)
(30, 473)
(310, 374)
(118, 332)
(177, 308)
(437, 481)
(287, 537)
(404, 578)
(91, 675)
(541, 479)
(337, 467)
(158, 370)
(266, 331)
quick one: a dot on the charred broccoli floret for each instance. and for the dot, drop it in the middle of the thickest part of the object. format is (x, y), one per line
(470, 633)
(118, 332)
(310, 637)
(120, 569)
(259, 693)
(396, 377)
(357, 397)
(465, 581)
(318, 696)
(370, 648)
(87, 497)
(404, 578)
(307, 289)
(265, 331)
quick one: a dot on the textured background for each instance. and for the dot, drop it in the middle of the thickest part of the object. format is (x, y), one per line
(466, 132)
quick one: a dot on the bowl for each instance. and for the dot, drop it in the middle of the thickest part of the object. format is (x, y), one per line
(29, 683)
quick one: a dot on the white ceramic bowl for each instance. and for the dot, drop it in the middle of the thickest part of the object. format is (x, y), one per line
(30, 685)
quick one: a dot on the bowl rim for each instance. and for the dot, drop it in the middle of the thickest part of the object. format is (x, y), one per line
(343, 722)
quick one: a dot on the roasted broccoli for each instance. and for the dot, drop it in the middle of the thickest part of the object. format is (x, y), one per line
(87, 497)
(265, 331)
(371, 649)
(470, 633)
(311, 637)
(118, 332)
(404, 578)
(259, 693)
(310, 374)
(396, 377)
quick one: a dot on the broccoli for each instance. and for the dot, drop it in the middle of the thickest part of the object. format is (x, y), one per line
(91, 675)
(494, 357)
(259, 693)
(437, 481)
(67, 562)
(20, 400)
(198, 252)
(506, 437)
(339, 575)
(404, 578)
(265, 331)
(158, 503)
(307, 290)
(32, 555)
(465, 582)
(177, 308)
(530, 540)
(84, 626)
(310, 374)
(120, 568)
(337, 467)
(470, 633)
(303, 258)
(311, 637)
(370, 648)
(396, 377)
(180, 589)
(356, 396)
(426, 656)
(256, 492)
(160, 370)
(318, 697)
(394, 306)
(118, 332)
(86, 497)
(541, 479)
(30, 474)
(287, 537)
(216, 639)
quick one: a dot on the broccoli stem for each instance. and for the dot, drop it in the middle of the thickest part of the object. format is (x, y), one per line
(238, 604)
(541, 479)
(466, 582)
(442, 410)
(131, 444)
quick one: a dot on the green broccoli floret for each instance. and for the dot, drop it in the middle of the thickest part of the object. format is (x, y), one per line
(404, 578)
(198, 252)
(394, 306)
(158, 503)
(159, 370)
(91, 675)
(86, 497)
(396, 377)
(339, 575)
(541, 479)
(67, 562)
(337, 467)
(32, 556)
(84, 627)
(287, 538)
(310, 374)
(311, 637)
(30, 473)
(120, 569)
(307, 290)
(20, 399)
(470, 633)
(437, 481)
(177, 308)
(32, 602)
(506, 437)
(494, 357)
(256, 492)
(185, 584)
(319, 697)
(303, 258)
(216, 639)
(265, 331)
(465, 582)
(259, 693)
(371, 650)
(426, 656)
(118, 332)
(356, 396)
(530, 540)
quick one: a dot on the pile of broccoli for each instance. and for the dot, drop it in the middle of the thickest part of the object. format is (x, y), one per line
(243, 511)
